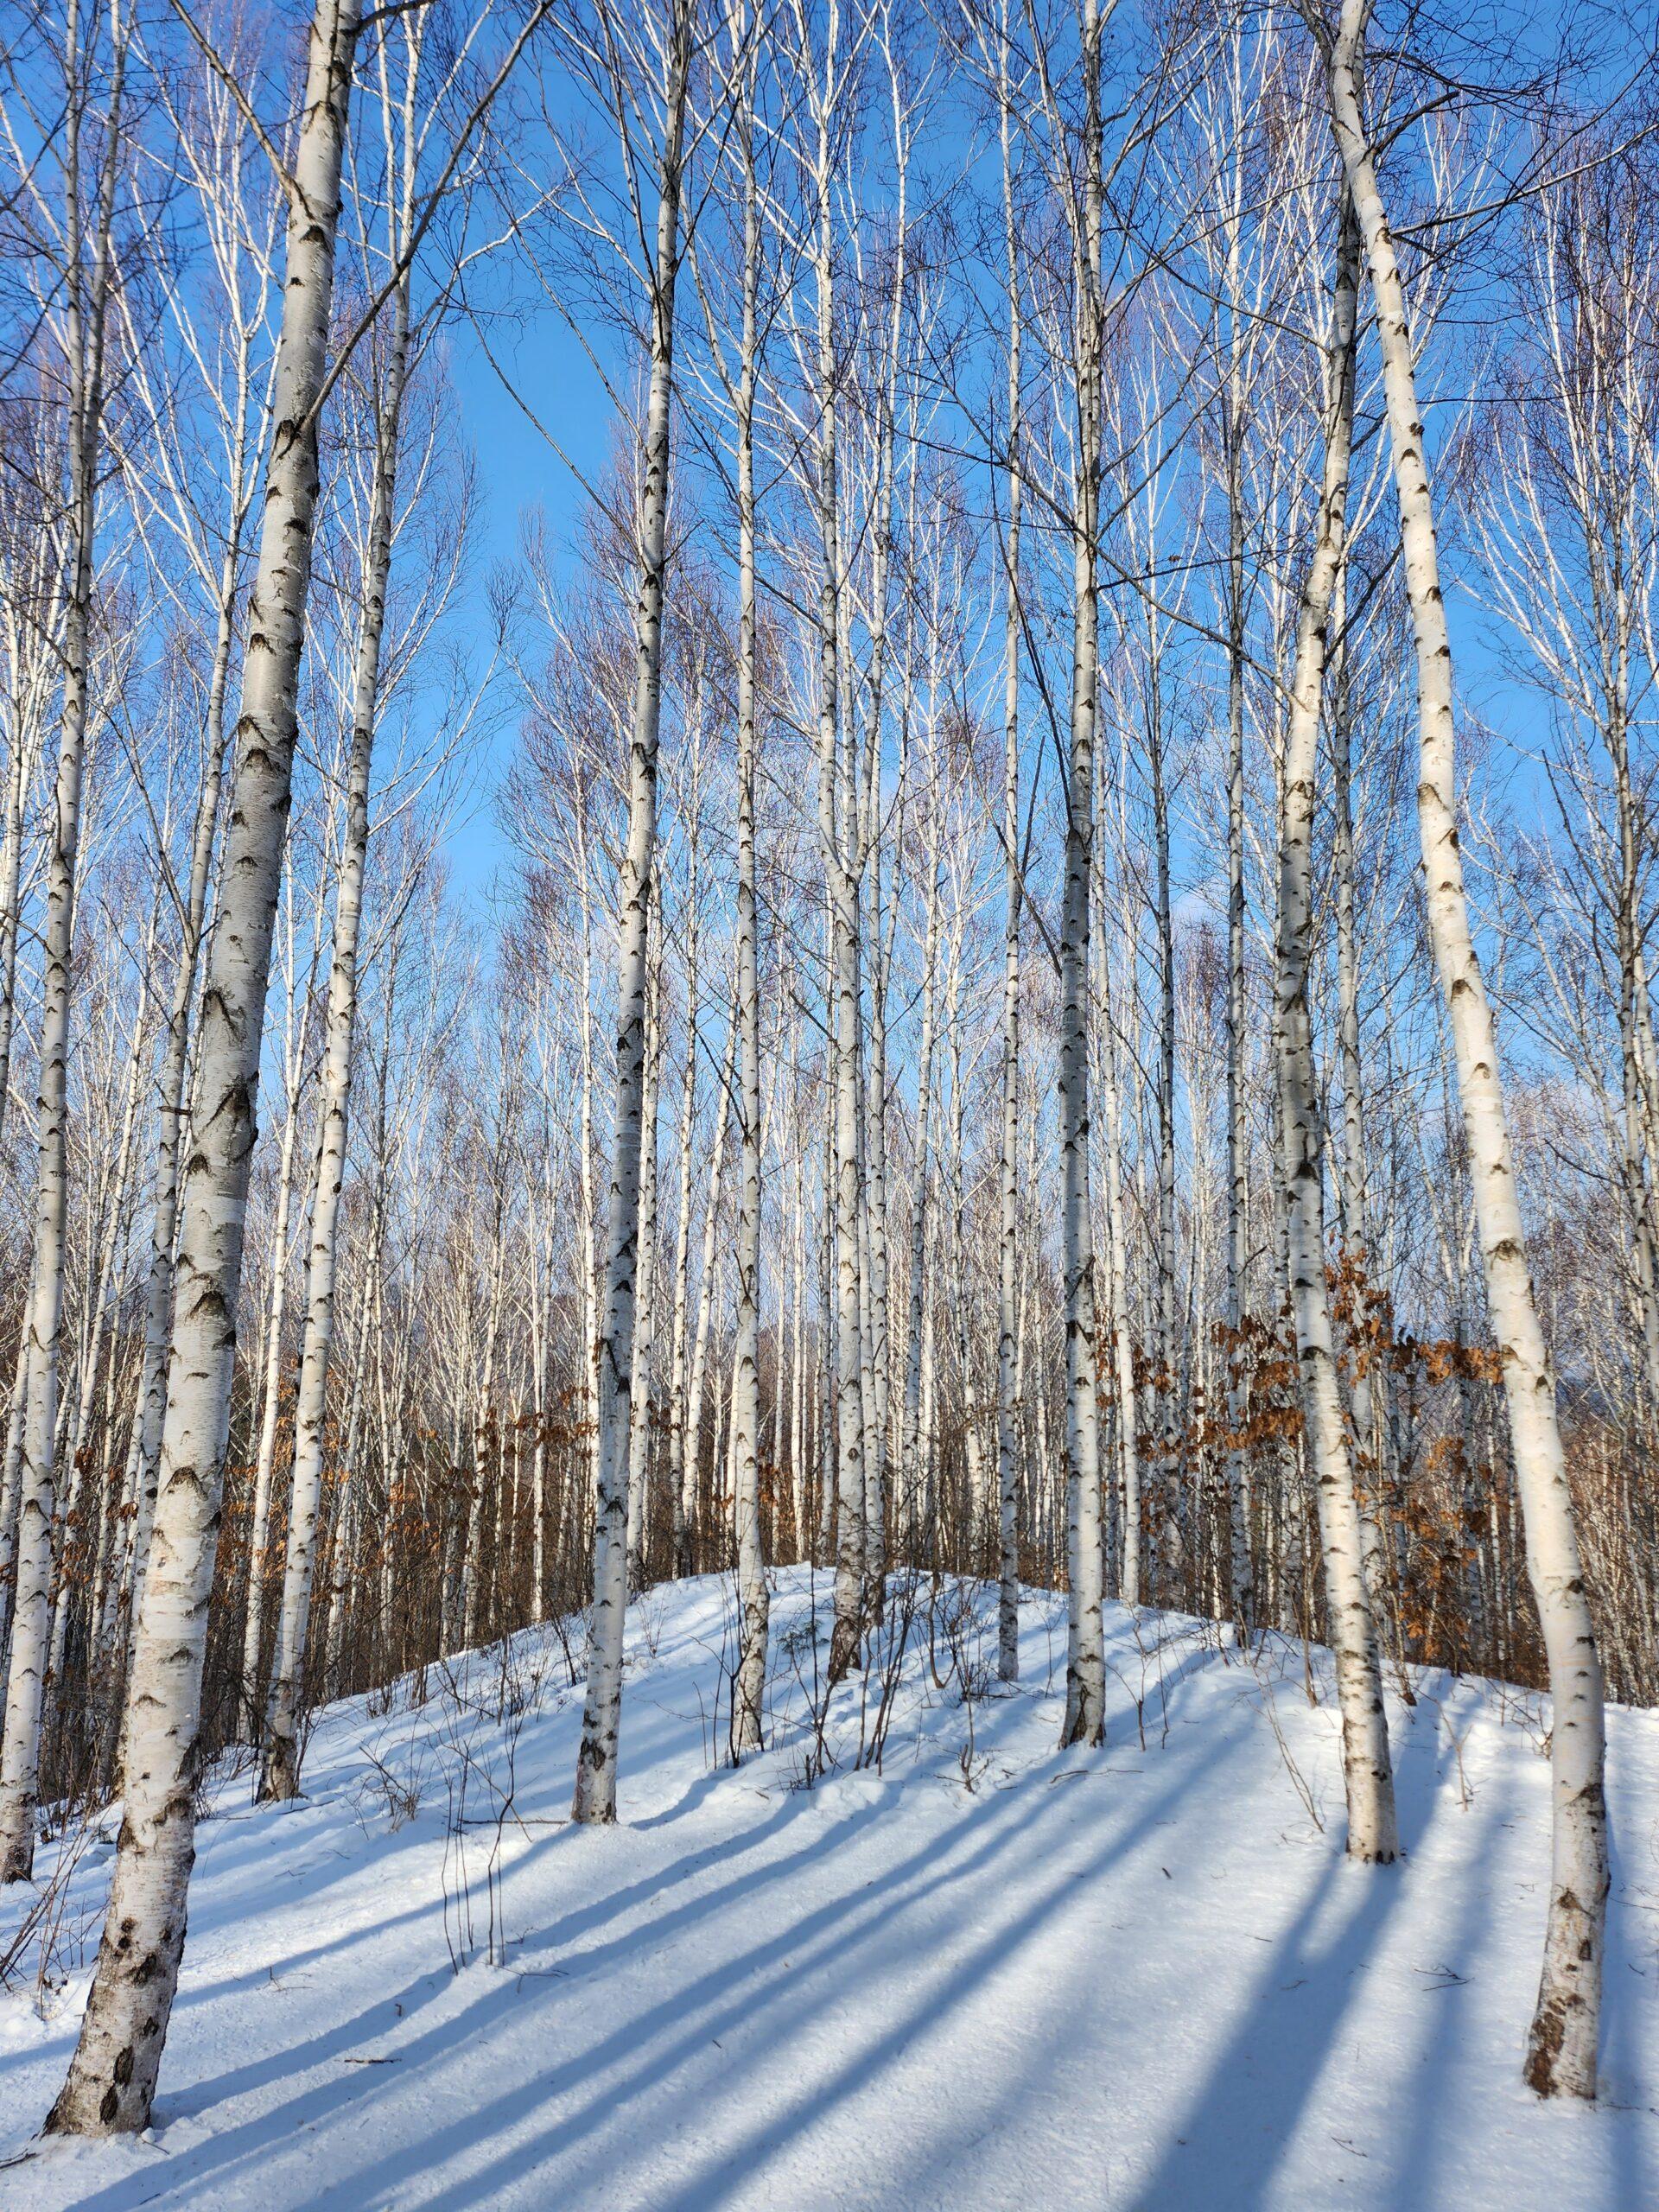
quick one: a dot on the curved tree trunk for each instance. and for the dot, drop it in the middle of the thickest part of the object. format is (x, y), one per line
(1561, 2046)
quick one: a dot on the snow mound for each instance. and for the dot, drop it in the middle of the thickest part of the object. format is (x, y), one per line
(911, 1958)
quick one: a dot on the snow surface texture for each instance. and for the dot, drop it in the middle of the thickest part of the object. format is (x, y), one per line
(987, 1975)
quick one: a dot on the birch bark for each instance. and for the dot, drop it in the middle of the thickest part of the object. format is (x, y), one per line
(594, 1799)
(836, 830)
(1241, 1569)
(646, 1292)
(111, 2079)
(280, 1778)
(911, 1452)
(1367, 1772)
(1562, 2044)
(690, 1496)
(1085, 1673)
(1008, 1458)
(264, 1465)
(677, 1399)
(746, 1404)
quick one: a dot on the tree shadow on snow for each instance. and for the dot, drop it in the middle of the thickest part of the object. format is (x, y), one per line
(765, 1995)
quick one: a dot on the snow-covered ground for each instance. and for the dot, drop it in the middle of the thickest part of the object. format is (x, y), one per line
(986, 1975)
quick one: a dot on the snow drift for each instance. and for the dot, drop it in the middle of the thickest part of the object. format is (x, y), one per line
(910, 1957)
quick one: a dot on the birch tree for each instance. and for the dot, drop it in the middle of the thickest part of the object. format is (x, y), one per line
(1373, 1832)
(1562, 2044)
(746, 1407)
(595, 1790)
(112, 2081)
(1085, 1686)
(399, 89)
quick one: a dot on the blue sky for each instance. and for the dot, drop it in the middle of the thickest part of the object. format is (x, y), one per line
(520, 473)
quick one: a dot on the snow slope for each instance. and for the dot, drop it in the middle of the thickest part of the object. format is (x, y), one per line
(1144, 1978)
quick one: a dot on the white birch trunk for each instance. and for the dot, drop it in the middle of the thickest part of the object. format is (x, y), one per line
(280, 1778)
(1241, 1569)
(678, 1355)
(836, 829)
(175, 1061)
(1129, 1443)
(11, 1486)
(112, 2081)
(1368, 1775)
(264, 1466)
(473, 1592)
(1085, 1672)
(594, 1799)
(692, 1475)
(1561, 2046)
(644, 1332)
(911, 1448)
(750, 1687)
(1007, 1457)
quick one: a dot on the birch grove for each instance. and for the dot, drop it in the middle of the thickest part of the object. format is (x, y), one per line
(856, 912)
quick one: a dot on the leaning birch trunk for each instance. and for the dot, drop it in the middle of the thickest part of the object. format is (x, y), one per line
(280, 1777)
(85, 318)
(1562, 2044)
(746, 1399)
(112, 2081)
(1367, 1772)
(1085, 1670)
(596, 1792)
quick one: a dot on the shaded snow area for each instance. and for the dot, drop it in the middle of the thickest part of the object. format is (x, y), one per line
(985, 1974)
